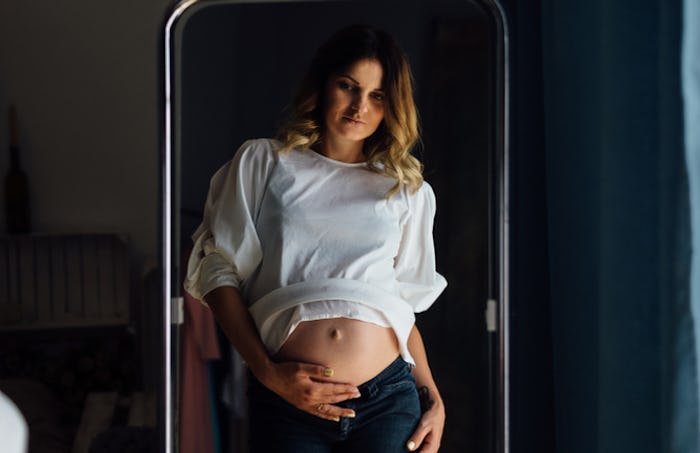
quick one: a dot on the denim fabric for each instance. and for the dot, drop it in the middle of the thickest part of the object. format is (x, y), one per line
(387, 413)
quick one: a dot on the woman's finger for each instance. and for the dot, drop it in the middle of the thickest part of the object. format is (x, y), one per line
(338, 397)
(322, 387)
(416, 440)
(429, 446)
(331, 390)
(320, 392)
(331, 412)
(314, 371)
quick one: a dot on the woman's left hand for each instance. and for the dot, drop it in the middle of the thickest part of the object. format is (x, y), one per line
(428, 435)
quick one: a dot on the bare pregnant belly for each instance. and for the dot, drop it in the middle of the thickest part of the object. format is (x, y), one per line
(355, 350)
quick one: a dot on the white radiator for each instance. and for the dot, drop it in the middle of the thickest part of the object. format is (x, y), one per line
(49, 281)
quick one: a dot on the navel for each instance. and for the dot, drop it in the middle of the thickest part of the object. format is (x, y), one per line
(335, 333)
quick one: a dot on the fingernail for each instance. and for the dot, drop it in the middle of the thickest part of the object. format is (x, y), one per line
(352, 415)
(357, 395)
(328, 372)
(411, 445)
(336, 419)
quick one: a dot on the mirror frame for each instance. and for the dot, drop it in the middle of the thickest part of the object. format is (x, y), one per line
(497, 313)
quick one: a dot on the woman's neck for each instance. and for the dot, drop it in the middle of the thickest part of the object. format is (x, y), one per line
(343, 151)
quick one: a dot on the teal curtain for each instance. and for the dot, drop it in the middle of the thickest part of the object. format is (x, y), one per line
(619, 236)
(686, 436)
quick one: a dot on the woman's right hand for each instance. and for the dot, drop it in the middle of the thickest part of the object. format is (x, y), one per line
(306, 387)
(303, 385)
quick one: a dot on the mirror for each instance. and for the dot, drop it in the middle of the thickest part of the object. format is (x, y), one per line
(230, 70)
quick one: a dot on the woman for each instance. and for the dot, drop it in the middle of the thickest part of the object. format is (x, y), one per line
(315, 252)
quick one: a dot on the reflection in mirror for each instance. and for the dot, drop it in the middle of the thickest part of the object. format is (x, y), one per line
(236, 66)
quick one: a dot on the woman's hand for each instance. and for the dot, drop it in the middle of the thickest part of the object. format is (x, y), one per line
(306, 387)
(303, 385)
(429, 432)
(428, 435)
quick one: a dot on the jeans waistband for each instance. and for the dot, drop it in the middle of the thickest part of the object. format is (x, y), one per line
(371, 387)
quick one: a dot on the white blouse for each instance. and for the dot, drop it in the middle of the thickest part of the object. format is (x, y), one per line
(307, 237)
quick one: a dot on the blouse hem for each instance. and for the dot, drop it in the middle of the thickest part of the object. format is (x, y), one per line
(398, 312)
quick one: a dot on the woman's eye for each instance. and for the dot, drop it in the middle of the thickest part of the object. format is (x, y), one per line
(345, 86)
(378, 96)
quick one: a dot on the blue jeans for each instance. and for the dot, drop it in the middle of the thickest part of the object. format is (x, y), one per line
(387, 414)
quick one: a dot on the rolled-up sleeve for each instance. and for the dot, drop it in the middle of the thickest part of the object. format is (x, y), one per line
(418, 281)
(226, 247)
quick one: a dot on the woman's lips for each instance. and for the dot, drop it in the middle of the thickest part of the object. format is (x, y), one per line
(353, 120)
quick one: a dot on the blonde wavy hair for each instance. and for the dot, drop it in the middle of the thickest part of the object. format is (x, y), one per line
(388, 149)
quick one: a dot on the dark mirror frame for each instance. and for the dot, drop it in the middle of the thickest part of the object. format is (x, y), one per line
(498, 284)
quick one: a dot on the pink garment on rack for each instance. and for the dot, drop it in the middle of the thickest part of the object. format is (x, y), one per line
(199, 345)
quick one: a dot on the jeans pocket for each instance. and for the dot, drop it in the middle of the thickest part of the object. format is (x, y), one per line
(401, 399)
(398, 384)
(398, 387)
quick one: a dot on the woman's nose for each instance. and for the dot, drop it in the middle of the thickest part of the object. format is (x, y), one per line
(359, 103)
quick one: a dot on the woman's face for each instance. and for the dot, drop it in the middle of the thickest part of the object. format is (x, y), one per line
(354, 102)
